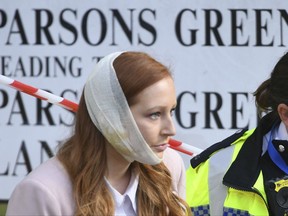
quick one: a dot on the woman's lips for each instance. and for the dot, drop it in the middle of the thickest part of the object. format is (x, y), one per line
(160, 148)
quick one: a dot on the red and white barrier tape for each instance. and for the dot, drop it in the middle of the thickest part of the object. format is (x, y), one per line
(39, 93)
(184, 147)
(57, 100)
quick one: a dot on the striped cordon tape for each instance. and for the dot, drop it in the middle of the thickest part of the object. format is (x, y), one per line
(70, 105)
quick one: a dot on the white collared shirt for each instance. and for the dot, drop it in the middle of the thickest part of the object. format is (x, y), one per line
(125, 204)
(279, 134)
(282, 133)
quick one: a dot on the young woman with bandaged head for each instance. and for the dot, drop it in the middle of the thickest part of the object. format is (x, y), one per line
(117, 161)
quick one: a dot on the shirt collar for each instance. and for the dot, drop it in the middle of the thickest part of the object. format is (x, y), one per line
(282, 133)
(130, 191)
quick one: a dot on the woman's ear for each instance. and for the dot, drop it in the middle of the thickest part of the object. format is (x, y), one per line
(283, 113)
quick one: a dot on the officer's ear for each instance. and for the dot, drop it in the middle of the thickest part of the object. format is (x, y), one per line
(283, 113)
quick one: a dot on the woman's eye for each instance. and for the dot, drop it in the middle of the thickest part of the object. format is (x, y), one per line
(172, 112)
(155, 115)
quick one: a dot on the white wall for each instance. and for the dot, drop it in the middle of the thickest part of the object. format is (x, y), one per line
(219, 52)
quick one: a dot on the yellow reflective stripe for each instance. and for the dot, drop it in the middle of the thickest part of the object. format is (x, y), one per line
(249, 201)
(218, 164)
(244, 200)
(197, 196)
(260, 186)
(197, 190)
(239, 142)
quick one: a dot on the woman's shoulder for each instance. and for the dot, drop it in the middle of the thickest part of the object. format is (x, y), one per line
(46, 189)
(172, 156)
(50, 175)
(173, 162)
(48, 171)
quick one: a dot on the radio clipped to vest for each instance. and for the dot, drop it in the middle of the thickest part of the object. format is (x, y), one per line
(277, 195)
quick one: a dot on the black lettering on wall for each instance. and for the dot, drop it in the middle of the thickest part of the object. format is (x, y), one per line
(3, 18)
(235, 110)
(212, 29)
(41, 109)
(178, 111)
(6, 172)
(43, 27)
(20, 111)
(25, 162)
(3, 98)
(283, 16)
(127, 30)
(45, 149)
(19, 29)
(212, 112)
(147, 26)
(102, 25)
(179, 31)
(237, 27)
(66, 24)
(262, 27)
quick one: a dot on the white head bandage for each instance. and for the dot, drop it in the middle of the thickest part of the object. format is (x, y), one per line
(110, 112)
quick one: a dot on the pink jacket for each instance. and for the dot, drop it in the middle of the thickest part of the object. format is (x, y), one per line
(47, 190)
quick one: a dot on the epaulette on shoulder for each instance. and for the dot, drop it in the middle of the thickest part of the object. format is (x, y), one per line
(204, 155)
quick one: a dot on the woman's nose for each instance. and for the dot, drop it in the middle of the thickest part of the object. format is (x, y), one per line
(168, 127)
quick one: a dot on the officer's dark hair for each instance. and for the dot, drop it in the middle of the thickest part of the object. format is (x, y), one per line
(274, 90)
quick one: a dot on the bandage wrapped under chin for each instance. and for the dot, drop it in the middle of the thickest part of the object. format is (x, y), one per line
(109, 110)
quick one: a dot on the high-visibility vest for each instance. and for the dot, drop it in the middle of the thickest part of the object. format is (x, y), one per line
(206, 195)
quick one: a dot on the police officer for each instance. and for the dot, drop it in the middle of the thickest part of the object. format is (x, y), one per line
(247, 173)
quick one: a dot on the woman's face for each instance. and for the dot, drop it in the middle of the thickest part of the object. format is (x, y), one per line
(152, 111)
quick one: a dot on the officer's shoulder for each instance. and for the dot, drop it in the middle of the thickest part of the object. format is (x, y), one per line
(204, 155)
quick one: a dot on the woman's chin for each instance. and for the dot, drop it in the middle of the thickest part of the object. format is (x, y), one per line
(159, 154)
